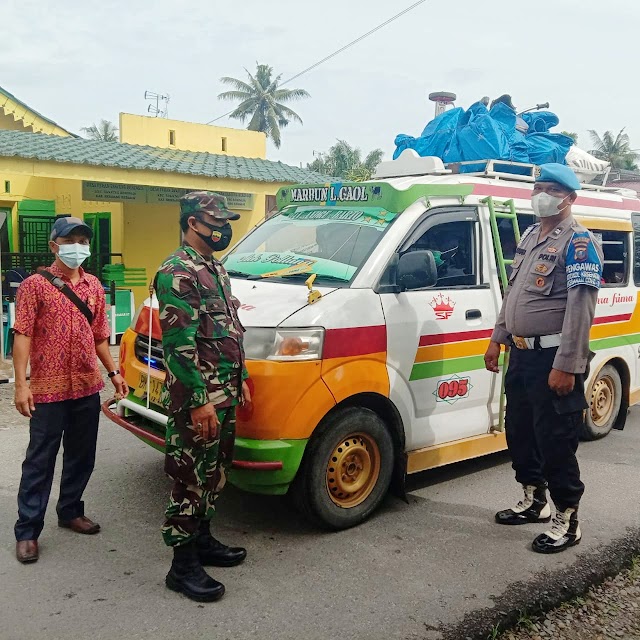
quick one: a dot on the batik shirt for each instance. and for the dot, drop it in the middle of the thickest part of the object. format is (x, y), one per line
(63, 360)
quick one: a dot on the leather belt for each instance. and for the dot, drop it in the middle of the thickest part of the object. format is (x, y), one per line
(537, 342)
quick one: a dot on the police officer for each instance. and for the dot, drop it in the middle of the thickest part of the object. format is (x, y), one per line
(546, 316)
(204, 356)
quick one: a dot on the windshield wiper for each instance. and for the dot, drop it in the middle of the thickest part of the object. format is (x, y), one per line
(300, 276)
(238, 274)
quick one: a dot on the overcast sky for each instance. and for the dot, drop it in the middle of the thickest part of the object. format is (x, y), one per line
(77, 61)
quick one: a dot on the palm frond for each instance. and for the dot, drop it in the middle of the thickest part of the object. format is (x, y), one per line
(243, 110)
(235, 95)
(290, 94)
(238, 84)
(290, 114)
(274, 129)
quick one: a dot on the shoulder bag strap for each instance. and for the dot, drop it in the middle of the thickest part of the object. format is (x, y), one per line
(68, 292)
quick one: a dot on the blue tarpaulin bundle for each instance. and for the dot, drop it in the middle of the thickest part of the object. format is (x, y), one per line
(480, 133)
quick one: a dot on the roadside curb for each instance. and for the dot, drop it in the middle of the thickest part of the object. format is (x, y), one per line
(547, 589)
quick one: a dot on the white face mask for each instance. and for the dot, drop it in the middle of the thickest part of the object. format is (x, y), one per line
(73, 255)
(545, 206)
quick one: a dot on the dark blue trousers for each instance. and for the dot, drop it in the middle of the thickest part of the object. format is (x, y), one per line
(75, 424)
(542, 428)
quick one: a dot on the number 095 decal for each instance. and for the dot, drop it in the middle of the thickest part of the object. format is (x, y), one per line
(452, 389)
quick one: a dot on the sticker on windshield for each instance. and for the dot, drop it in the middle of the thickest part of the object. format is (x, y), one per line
(370, 216)
(304, 266)
(276, 258)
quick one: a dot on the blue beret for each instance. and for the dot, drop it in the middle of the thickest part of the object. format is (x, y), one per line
(559, 173)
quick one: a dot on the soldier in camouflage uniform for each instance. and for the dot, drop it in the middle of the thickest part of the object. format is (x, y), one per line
(202, 344)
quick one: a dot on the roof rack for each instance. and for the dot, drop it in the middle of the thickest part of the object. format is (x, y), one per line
(409, 163)
(500, 169)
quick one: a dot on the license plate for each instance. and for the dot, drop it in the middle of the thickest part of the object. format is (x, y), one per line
(155, 389)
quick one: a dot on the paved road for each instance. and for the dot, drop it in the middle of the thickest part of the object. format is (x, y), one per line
(409, 569)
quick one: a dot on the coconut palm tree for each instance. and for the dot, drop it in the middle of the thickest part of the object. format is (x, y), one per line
(573, 136)
(106, 131)
(616, 150)
(344, 161)
(261, 99)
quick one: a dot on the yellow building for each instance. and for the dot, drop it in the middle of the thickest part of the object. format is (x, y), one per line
(129, 190)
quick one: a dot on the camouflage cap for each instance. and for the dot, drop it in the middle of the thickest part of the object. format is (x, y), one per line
(206, 202)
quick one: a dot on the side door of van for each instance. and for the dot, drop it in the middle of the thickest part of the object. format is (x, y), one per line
(437, 337)
(614, 323)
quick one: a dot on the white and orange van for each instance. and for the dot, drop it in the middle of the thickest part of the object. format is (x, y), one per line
(373, 367)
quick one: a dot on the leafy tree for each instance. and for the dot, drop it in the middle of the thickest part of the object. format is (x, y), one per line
(614, 149)
(344, 161)
(573, 136)
(261, 99)
(106, 131)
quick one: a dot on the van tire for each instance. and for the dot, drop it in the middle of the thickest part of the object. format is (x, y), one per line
(604, 404)
(369, 462)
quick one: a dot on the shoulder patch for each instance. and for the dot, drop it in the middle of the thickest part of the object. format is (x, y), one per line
(583, 263)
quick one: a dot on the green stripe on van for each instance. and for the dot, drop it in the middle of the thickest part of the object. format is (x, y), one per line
(439, 368)
(616, 341)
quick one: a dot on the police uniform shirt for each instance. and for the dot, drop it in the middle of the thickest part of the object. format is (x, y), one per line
(553, 288)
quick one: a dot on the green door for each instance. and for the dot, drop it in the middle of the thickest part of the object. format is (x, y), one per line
(35, 221)
(100, 223)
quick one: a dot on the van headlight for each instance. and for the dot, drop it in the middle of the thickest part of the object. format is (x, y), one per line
(283, 345)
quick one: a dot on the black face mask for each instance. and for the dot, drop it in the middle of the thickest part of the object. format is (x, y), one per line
(219, 238)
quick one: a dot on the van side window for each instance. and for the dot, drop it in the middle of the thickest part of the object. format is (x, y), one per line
(615, 270)
(635, 220)
(508, 238)
(453, 247)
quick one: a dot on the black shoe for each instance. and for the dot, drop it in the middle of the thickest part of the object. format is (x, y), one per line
(187, 576)
(564, 533)
(533, 508)
(212, 553)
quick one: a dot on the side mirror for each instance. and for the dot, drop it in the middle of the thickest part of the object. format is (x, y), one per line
(416, 270)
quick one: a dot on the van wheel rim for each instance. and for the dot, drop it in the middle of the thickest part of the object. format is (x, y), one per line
(353, 470)
(602, 401)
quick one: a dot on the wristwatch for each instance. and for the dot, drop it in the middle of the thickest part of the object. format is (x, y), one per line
(113, 374)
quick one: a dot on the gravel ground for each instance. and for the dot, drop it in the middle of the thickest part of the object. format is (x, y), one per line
(607, 612)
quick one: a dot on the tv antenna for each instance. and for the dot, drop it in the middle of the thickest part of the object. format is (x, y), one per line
(156, 109)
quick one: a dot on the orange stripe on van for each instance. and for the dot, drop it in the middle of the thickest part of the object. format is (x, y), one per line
(452, 350)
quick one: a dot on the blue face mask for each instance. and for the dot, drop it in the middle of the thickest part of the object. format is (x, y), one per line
(73, 255)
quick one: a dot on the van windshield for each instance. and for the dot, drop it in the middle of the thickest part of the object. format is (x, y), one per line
(328, 241)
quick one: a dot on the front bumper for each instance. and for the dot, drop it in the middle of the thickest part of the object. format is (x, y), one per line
(259, 466)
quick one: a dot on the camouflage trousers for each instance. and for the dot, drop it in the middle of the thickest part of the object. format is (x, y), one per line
(199, 472)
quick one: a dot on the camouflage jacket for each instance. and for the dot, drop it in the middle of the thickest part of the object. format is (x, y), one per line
(201, 332)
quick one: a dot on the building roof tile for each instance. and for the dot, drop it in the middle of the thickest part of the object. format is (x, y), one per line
(38, 146)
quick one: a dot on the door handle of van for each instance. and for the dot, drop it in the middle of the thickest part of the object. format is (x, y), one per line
(473, 314)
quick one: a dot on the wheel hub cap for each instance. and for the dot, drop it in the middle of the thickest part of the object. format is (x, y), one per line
(602, 401)
(353, 469)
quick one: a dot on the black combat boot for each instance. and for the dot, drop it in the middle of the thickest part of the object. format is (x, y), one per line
(187, 576)
(532, 508)
(213, 553)
(564, 533)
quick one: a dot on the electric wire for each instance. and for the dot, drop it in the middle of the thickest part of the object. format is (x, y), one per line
(339, 51)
